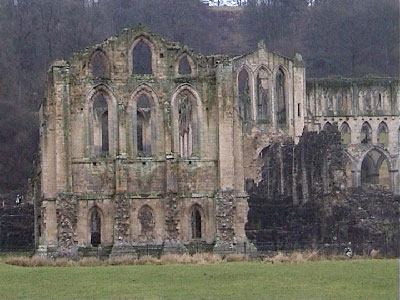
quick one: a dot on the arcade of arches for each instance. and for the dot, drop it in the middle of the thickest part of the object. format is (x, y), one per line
(144, 141)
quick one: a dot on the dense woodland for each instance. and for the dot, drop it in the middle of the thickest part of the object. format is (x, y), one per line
(335, 37)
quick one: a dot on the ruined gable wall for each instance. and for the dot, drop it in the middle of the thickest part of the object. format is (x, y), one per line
(257, 134)
(121, 184)
(122, 84)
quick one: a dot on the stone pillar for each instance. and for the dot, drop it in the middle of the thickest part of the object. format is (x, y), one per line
(298, 111)
(122, 244)
(225, 211)
(229, 224)
(62, 125)
(67, 217)
(173, 243)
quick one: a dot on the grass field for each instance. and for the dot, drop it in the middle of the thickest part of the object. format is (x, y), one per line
(344, 280)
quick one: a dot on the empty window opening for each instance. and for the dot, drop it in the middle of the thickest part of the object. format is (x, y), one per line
(263, 104)
(244, 95)
(281, 97)
(140, 121)
(95, 228)
(368, 174)
(298, 110)
(366, 134)
(100, 124)
(345, 134)
(147, 224)
(184, 66)
(100, 65)
(143, 126)
(196, 224)
(367, 102)
(339, 103)
(188, 124)
(142, 58)
(384, 175)
(383, 135)
(104, 133)
(379, 105)
(327, 126)
(375, 170)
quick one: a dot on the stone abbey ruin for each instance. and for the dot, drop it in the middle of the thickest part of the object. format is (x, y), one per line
(145, 142)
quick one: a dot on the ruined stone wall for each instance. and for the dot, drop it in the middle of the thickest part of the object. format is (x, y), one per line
(291, 172)
(144, 198)
(302, 202)
(353, 105)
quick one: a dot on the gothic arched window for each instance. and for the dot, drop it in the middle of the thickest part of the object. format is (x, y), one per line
(95, 228)
(143, 125)
(366, 133)
(188, 124)
(244, 95)
(196, 222)
(345, 134)
(100, 65)
(368, 102)
(142, 58)
(383, 135)
(184, 66)
(147, 224)
(263, 104)
(281, 97)
(100, 126)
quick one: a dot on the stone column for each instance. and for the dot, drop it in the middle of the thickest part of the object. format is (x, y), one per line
(122, 242)
(62, 125)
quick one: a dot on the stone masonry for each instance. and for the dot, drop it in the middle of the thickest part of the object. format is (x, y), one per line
(145, 142)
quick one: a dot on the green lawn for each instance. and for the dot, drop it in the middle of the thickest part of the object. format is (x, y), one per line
(344, 280)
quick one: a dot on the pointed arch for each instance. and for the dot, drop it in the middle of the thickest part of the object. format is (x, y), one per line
(185, 65)
(345, 132)
(330, 106)
(380, 151)
(327, 126)
(281, 96)
(186, 121)
(244, 92)
(100, 65)
(378, 95)
(142, 121)
(366, 133)
(197, 222)
(263, 94)
(142, 56)
(147, 223)
(375, 167)
(367, 101)
(95, 226)
(102, 117)
(383, 135)
(340, 103)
